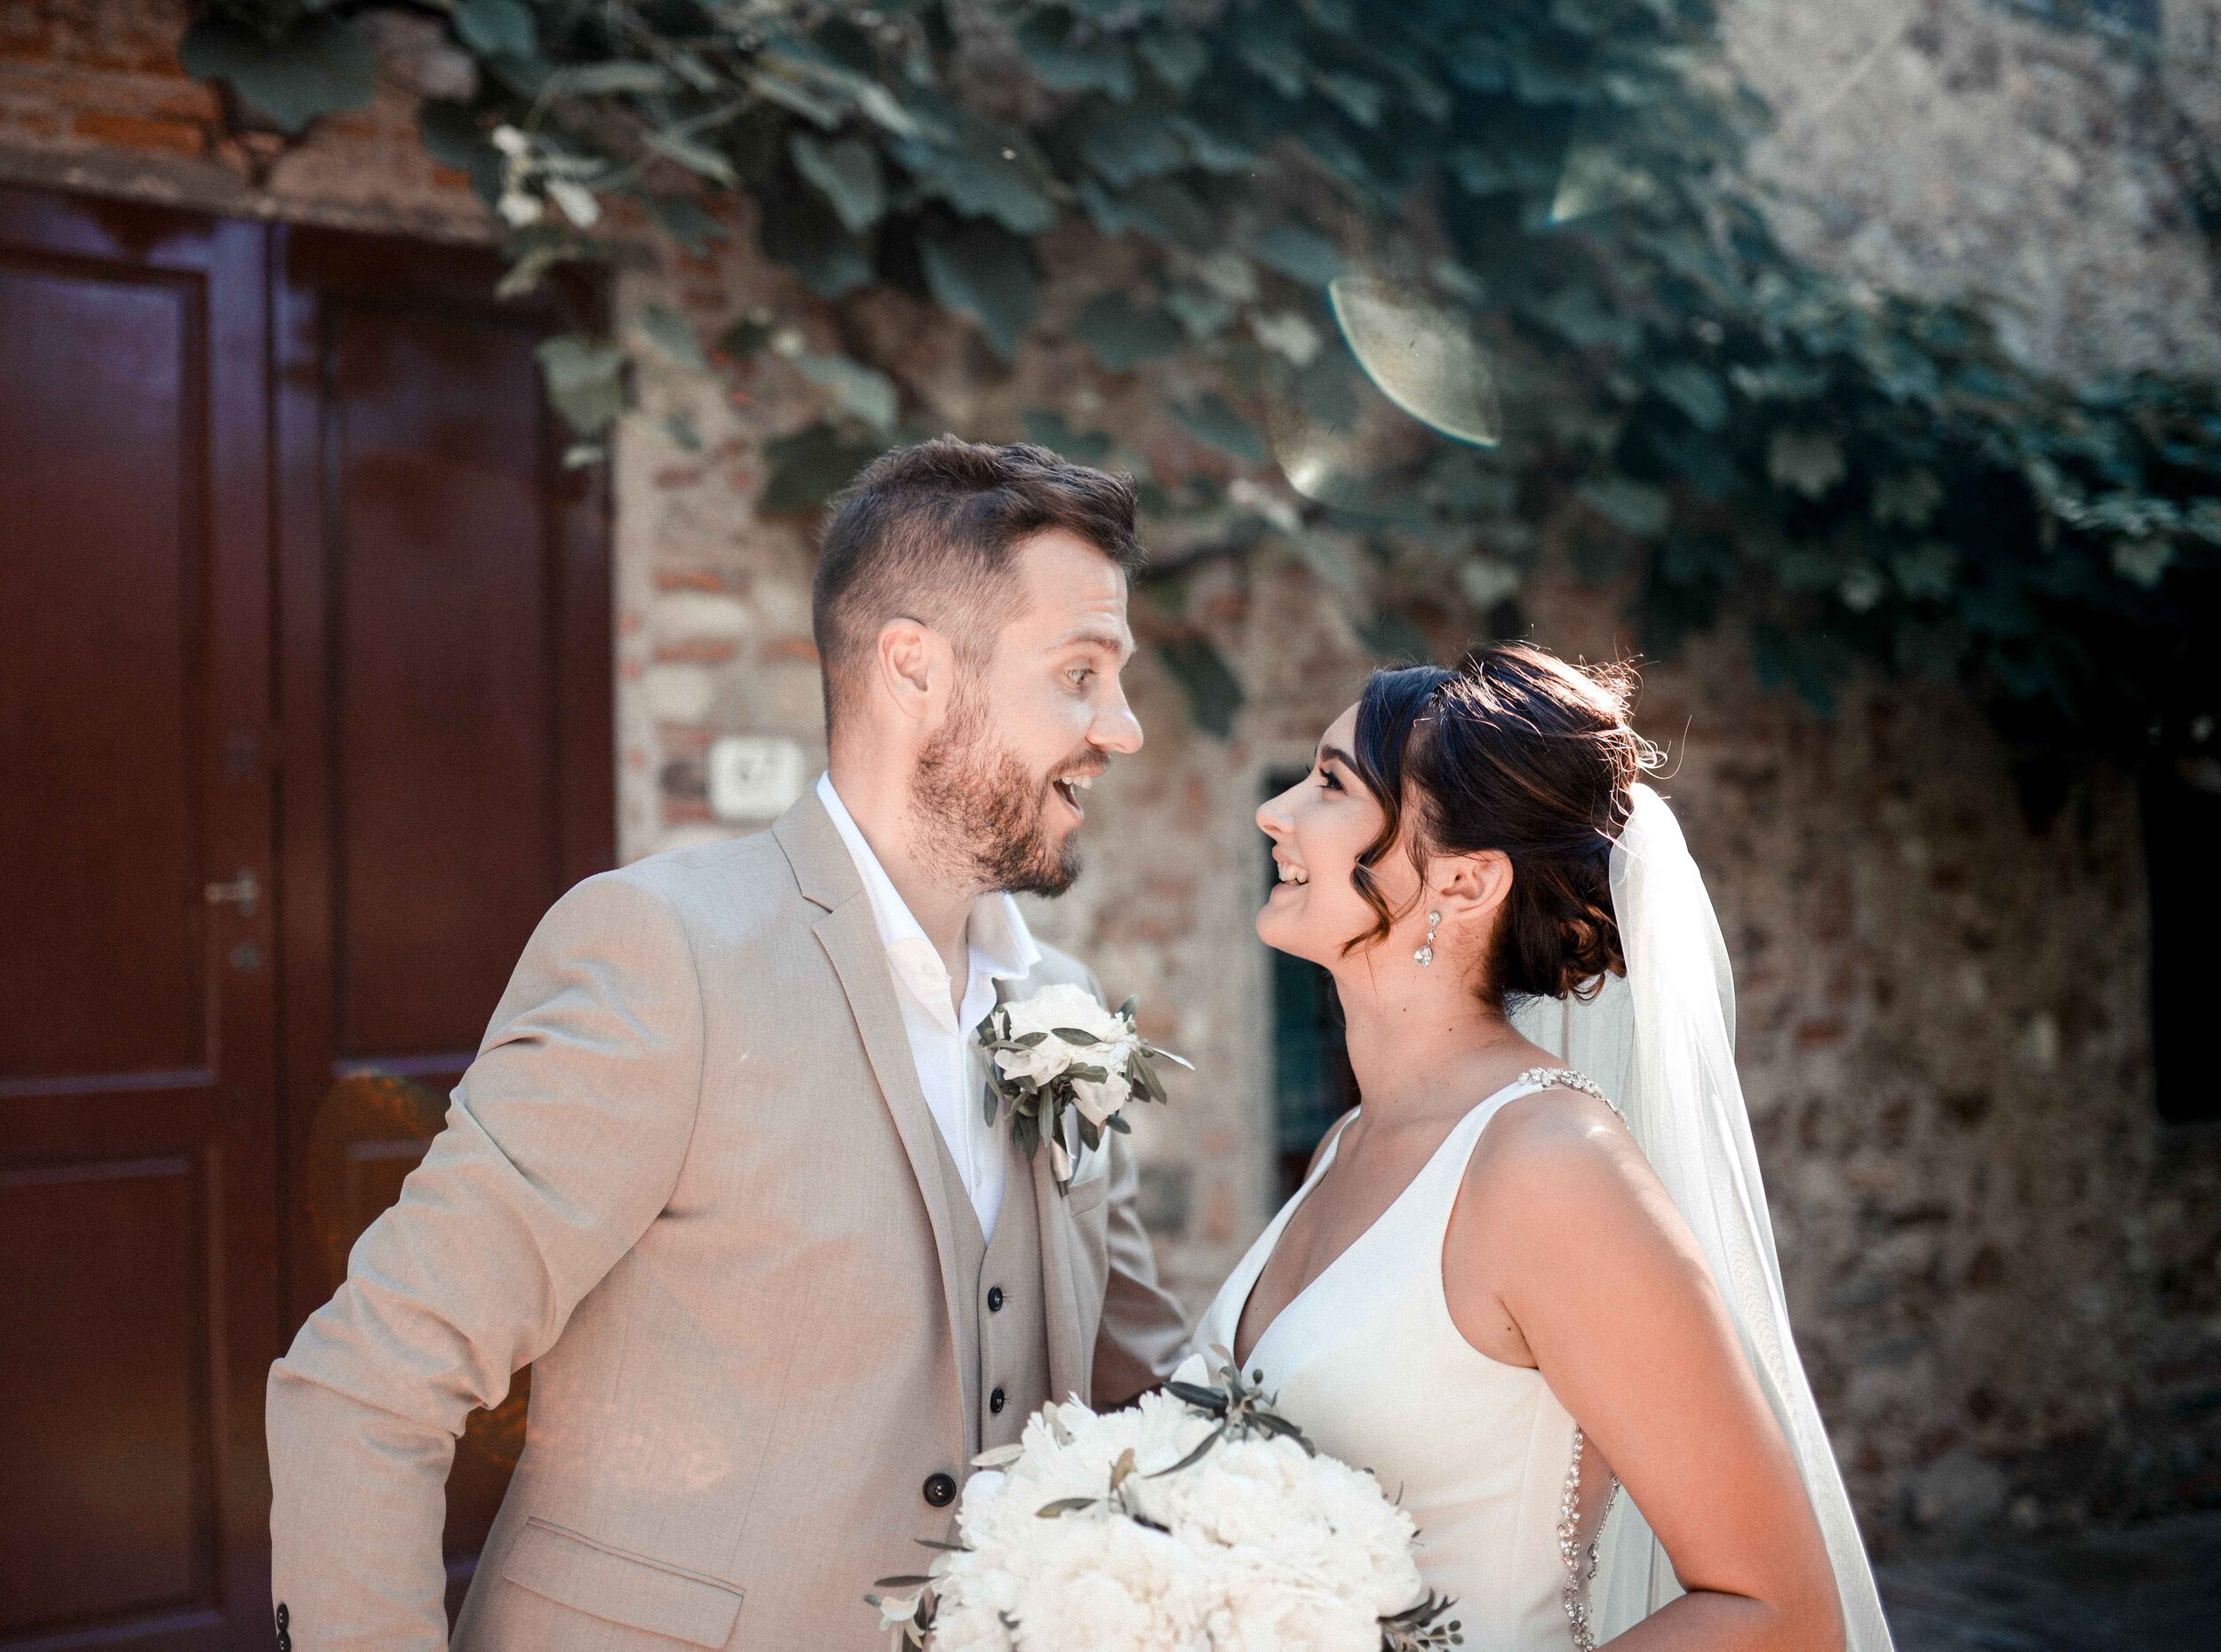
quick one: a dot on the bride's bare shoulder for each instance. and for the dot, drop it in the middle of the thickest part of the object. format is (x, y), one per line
(1553, 1149)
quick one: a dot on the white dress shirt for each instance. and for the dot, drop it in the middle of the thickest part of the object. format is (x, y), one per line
(943, 1041)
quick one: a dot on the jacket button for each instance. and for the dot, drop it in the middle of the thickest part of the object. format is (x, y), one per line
(995, 1401)
(940, 1490)
(994, 1299)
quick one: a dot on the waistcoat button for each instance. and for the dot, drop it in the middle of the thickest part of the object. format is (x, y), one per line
(995, 1401)
(994, 1299)
(940, 1490)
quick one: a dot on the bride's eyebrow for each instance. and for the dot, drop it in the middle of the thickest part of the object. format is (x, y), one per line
(1336, 754)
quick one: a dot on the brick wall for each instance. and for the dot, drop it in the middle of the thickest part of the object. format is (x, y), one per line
(2004, 1275)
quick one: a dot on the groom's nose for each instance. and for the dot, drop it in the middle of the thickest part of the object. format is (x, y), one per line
(1116, 728)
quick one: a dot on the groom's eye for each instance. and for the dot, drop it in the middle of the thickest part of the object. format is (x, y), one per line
(1078, 675)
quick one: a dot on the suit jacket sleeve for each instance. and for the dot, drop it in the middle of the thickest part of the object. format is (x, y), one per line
(563, 1141)
(1144, 1328)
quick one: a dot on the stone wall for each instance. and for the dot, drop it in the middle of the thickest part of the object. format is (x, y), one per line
(2003, 1273)
(1954, 147)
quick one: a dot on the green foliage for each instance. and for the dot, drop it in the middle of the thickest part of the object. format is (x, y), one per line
(291, 69)
(1852, 477)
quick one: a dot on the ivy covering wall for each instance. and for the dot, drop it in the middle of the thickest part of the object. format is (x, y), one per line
(1461, 271)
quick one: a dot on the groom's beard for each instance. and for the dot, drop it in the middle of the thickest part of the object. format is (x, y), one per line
(983, 813)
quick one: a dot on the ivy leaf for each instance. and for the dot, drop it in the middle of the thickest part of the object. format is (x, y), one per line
(982, 182)
(452, 137)
(983, 272)
(498, 28)
(322, 65)
(1068, 64)
(1300, 254)
(799, 229)
(691, 153)
(1175, 56)
(1215, 694)
(452, 134)
(865, 391)
(1394, 640)
(1696, 392)
(1047, 428)
(809, 467)
(1810, 462)
(1126, 146)
(1215, 151)
(1213, 420)
(585, 380)
(617, 74)
(1160, 208)
(1361, 99)
(672, 334)
(848, 174)
(688, 222)
(1122, 335)
(1642, 510)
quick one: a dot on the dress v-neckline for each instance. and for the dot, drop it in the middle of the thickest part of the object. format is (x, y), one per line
(1279, 1230)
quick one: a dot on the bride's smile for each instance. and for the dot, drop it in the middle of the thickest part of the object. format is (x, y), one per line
(1321, 829)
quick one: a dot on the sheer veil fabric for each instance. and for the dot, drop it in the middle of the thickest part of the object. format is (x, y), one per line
(1662, 1044)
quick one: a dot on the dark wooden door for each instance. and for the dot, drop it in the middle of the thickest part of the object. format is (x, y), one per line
(445, 634)
(304, 720)
(139, 1291)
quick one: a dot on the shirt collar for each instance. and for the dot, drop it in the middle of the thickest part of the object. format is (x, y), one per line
(1002, 947)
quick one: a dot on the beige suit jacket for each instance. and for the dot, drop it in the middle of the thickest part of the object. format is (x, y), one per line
(690, 1177)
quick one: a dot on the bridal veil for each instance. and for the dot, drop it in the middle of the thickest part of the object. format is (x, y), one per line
(1662, 1044)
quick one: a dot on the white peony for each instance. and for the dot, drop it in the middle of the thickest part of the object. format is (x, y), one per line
(1257, 1547)
(1077, 1010)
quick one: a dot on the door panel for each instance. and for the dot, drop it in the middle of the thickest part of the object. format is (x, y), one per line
(106, 973)
(108, 1408)
(444, 604)
(429, 607)
(444, 837)
(137, 1232)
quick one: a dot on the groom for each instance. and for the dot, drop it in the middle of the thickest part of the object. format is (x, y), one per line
(722, 1172)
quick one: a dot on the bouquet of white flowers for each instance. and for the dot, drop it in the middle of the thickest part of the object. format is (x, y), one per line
(1200, 1521)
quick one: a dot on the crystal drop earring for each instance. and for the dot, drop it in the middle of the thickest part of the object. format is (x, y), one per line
(1426, 953)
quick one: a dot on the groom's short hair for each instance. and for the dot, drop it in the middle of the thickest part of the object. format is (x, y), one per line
(928, 532)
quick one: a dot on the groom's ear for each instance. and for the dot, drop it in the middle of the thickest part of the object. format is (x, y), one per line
(1471, 887)
(915, 666)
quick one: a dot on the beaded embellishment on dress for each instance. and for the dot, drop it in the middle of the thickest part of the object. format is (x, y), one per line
(1579, 1558)
(1565, 1078)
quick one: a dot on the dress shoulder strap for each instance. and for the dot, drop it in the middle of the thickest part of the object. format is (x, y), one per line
(1563, 1078)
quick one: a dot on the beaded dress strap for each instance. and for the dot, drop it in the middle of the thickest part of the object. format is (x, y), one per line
(1565, 1078)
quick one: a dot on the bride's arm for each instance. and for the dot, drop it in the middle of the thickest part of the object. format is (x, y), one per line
(1566, 1254)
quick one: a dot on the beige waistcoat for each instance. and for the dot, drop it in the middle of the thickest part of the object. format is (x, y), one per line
(692, 1180)
(1002, 1343)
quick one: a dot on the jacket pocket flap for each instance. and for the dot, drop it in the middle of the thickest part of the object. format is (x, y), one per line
(629, 1589)
(1085, 1196)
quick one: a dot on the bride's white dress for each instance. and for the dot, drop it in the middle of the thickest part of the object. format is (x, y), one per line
(1368, 1361)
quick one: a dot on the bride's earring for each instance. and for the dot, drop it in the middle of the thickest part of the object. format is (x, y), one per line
(1426, 953)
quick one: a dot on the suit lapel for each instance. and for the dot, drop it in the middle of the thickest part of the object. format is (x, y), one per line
(851, 939)
(1059, 1308)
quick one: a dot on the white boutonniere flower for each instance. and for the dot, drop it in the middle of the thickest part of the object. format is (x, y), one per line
(1061, 1052)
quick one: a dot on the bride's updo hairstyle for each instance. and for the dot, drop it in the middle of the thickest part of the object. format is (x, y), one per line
(1517, 751)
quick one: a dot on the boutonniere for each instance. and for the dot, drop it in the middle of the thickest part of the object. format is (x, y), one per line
(1060, 1052)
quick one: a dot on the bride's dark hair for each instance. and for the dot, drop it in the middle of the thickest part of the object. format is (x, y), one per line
(1519, 751)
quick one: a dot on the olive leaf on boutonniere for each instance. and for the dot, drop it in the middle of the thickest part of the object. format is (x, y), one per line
(1059, 1053)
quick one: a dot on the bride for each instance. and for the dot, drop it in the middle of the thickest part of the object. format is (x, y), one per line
(1530, 1282)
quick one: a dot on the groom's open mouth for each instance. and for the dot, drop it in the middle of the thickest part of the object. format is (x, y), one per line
(1069, 787)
